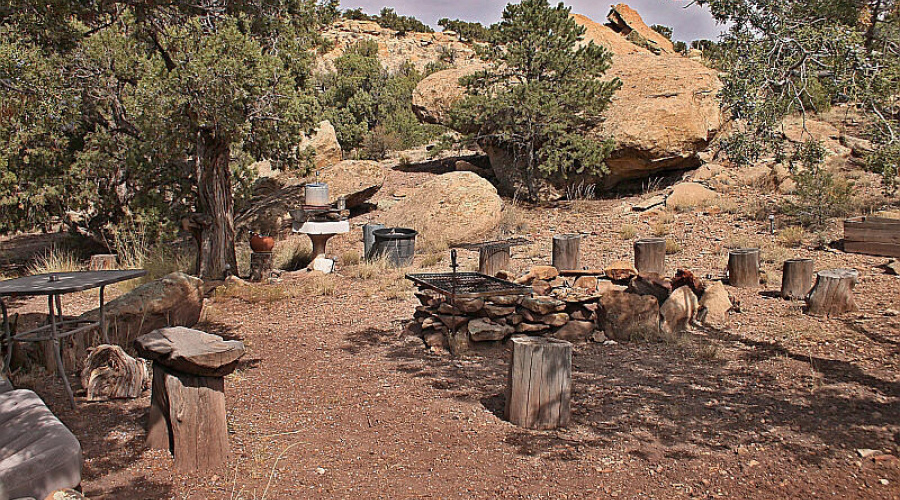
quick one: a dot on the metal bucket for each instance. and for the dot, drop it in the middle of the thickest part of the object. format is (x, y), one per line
(316, 194)
(369, 239)
(397, 244)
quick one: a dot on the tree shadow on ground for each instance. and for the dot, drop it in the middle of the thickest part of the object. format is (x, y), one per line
(679, 401)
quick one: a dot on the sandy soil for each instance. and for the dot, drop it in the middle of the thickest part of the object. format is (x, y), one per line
(333, 401)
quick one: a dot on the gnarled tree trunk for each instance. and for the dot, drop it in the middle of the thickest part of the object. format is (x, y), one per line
(215, 199)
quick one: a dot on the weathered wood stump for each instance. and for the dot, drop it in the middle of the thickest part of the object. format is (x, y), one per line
(110, 373)
(187, 406)
(566, 251)
(103, 261)
(493, 259)
(539, 390)
(797, 278)
(260, 265)
(833, 292)
(743, 267)
(650, 256)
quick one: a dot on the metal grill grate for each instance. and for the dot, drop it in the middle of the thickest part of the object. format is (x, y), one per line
(467, 285)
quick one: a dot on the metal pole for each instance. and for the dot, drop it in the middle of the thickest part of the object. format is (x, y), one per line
(57, 350)
(103, 318)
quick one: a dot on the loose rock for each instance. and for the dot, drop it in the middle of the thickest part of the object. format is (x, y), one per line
(678, 310)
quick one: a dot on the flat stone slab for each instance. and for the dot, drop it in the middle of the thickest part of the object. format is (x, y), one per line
(190, 351)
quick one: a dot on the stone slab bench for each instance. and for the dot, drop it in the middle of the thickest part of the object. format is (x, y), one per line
(38, 454)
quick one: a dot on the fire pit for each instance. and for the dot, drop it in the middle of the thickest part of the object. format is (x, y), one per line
(456, 285)
(467, 285)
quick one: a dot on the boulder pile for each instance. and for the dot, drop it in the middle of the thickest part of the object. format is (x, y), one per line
(621, 307)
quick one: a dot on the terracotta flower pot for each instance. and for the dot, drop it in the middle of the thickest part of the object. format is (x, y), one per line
(260, 243)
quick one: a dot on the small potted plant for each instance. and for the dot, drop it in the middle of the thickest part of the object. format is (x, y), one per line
(261, 243)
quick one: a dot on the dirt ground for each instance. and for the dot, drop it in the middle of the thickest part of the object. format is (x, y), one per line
(333, 401)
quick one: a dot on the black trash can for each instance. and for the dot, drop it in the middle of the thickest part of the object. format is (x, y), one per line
(396, 244)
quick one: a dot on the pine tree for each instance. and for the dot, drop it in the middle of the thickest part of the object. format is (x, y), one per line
(541, 94)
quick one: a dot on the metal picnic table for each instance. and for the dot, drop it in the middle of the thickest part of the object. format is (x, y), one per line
(54, 285)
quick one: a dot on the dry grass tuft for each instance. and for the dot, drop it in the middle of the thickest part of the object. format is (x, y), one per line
(672, 246)
(292, 253)
(627, 231)
(660, 229)
(390, 282)
(431, 260)
(350, 258)
(513, 220)
(790, 237)
(55, 260)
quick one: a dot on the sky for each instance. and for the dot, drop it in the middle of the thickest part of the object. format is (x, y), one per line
(689, 23)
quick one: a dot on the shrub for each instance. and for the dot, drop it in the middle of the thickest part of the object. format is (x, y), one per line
(790, 237)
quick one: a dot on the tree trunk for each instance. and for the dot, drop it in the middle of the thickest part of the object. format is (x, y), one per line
(650, 256)
(797, 278)
(833, 292)
(187, 417)
(566, 251)
(217, 257)
(493, 259)
(540, 376)
(743, 267)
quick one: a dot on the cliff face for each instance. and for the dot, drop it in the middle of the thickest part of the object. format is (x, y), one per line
(394, 48)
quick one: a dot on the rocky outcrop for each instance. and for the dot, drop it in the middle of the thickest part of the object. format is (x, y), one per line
(665, 113)
(173, 300)
(452, 208)
(625, 21)
(355, 180)
(324, 143)
(395, 49)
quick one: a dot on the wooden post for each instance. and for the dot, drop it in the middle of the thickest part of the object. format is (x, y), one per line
(833, 292)
(797, 278)
(187, 417)
(493, 259)
(260, 265)
(566, 251)
(103, 261)
(539, 389)
(743, 267)
(650, 256)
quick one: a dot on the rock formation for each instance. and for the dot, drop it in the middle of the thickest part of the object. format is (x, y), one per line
(452, 208)
(665, 113)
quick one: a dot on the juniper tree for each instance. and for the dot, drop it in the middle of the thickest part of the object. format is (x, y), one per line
(797, 56)
(121, 107)
(541, 95)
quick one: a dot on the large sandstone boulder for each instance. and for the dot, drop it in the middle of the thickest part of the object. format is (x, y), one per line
(324, 143)
(624, 316)
(173, 300)
(355, 180)
(452, 208)
(665, 113)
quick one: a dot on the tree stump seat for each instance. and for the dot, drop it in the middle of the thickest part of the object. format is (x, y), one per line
(187, 406)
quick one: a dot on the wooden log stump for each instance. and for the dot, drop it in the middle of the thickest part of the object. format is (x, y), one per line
(187, 417)
(833, 292)
(103, 261)
(491, 260)
(539, 389)
(797, 278)
(187, 406)
(650, 256)
(260, 265)
(566, 251)
(743, 267)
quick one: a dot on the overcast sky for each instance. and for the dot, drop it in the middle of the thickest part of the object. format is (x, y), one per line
(689, 23)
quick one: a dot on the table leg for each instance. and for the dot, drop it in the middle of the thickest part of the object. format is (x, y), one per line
(57, 349)
(103, 332)
(7, 335)
(319, 241)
